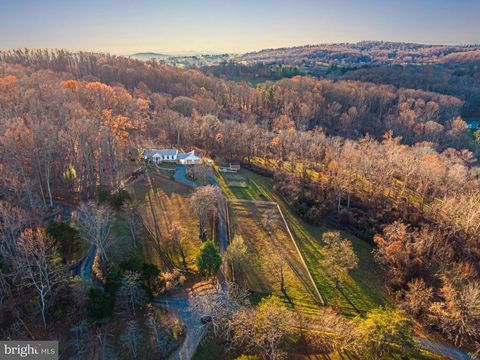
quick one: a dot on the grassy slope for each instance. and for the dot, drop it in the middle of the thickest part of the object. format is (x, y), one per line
(264, 252)
(364, 287)
(170, 200)
(261, 273)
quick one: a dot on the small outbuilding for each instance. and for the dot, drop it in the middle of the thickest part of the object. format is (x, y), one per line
(235, 165)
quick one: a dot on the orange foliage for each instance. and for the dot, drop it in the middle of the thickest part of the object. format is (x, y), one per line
(142, 104)
(283, 122)
(71, 85)
(8, 80)
(119, 125)
(97, 86)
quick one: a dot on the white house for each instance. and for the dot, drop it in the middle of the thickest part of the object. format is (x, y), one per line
(172, 155)
(189, 158)
(157, 156)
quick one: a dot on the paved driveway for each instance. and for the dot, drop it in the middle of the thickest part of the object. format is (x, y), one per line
(84, 267)
(443, 350)
(195, 331)
(181, 176)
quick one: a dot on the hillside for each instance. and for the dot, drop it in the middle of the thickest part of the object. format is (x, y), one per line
(365, 52)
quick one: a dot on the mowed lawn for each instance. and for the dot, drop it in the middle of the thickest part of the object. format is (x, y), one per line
(268, 253)
(364, 287)
(168, 200)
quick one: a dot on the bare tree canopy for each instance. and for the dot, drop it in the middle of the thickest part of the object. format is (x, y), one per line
(205, 202)
(95, 226)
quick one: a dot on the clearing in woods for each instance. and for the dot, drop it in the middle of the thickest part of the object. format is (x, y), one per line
(364, 286)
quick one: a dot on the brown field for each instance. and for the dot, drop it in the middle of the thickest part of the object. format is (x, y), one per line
(169, 201)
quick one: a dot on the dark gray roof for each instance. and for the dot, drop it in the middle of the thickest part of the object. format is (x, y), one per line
(162, 152)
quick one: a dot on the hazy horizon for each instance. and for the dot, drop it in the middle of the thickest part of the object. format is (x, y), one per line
(213, 26)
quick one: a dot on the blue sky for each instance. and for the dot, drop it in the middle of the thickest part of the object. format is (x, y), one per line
(123, 27)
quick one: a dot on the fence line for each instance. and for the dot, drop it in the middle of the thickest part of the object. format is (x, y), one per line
(253, 201)
(317, 291)
(301, 256)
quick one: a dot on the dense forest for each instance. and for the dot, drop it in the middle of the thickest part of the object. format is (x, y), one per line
(372, 154)
(449, 70)
(373, 52)
(457, 79)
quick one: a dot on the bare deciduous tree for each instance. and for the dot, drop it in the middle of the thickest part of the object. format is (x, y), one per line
(12, 220)
(221, 306)
(417, 298)
(202, 172)
(80, 341)
(105, 349)
(331, 331)
(269, 329)
(237, 254)
(95, 225)
(39, 267)
(458, 316)
(176, 238)
(130, 296)
(130, 339)
(205, 203)
(339, 255)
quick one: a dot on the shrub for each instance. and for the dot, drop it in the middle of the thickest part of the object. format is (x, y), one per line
(119, 198)
(66, 238)
(209, 260)
(99, 304)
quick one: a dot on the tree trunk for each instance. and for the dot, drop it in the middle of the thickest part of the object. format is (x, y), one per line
(282, 277)
(213, 229)
(42, 310)
(39, 179)
(339, 200)
(47, 179)
(184, 259)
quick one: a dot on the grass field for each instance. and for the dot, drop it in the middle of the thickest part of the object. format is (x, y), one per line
(170, 204)
(364, 287)
(268, 253)
(251, 192)
(235, 180)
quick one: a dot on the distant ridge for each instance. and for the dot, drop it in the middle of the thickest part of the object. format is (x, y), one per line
(145, 54)
(178, 54)
(365, 52)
